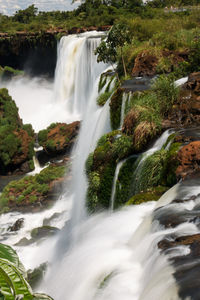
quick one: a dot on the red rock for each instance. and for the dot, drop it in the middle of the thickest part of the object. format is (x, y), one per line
(189, 159)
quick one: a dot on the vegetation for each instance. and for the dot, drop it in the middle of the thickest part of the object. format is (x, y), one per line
(30, 189)
(16, 147)
(13, 277)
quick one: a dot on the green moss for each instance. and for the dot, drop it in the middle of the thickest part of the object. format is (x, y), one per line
(115, 108)
(7, 73)
(30, 188)
(124, 180)
(42, 136)
(29, 129)
(152, 195)
(50, 173)
(150, 172)
(50, 145)
(102, 82)
(101, 100)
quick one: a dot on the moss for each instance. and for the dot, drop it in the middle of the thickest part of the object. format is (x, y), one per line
(124, 180)
(101, 100)
(115, 108)
(30, 189)
(152, 195)
(42, 136)
(29, 129)
(171, 165)
(150, 172)
(31, 165)
(8, 72)
(102, 82)
(101, 165)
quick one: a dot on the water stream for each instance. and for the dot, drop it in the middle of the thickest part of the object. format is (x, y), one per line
(107, 256)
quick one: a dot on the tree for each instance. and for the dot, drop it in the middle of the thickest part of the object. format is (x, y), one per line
(108, 50)
(25, 15)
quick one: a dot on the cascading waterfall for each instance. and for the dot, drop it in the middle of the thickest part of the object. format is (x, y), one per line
(113, 256)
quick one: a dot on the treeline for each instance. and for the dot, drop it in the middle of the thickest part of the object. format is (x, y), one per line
(89, 13)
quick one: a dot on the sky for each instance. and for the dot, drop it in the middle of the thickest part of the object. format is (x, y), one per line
(9, 7)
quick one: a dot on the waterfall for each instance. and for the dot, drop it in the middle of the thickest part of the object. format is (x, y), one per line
(77, 71)
(108, 256)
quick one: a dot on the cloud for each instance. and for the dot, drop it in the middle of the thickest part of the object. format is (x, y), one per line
(9, 7)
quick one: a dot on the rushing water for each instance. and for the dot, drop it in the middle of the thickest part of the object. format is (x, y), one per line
(108, 256)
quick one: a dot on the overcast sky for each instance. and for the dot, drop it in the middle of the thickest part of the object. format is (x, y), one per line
(9, 7)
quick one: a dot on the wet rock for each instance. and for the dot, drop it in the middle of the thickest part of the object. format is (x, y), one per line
(47, 221)
(189, 160)
(24, 242)
(35, 276)
(42, 232)
(17, 225)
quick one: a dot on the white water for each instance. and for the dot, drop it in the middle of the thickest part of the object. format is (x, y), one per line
(122, 245)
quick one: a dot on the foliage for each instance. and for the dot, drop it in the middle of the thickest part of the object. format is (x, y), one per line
(101, 165)
(107, 51)
(115, 108)
(30, 188)
(12, 280)
(167, 92)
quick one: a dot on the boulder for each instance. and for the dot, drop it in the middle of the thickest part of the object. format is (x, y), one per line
(145, 64)
(189, 160)
(17, 225)
(58, 137)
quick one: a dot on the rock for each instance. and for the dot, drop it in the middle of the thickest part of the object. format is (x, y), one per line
(36, 275)
(47, 221)
(58, 137)
(24, 242)
(189, 159)
(42, 232)
(145, 64)
(17, 225)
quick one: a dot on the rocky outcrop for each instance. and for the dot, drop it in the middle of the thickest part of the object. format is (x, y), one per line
(145, 64)
(189, 160)
(186, 111)
(58, 137)
(150, 64)
(33, 193)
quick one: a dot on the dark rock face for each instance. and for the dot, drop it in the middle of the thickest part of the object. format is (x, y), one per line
(34, 52)
(185, 263)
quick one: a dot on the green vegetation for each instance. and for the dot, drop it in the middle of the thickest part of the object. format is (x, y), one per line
(13, 277)
(152, 195)
(30, 189)
(15, 147)
(7, 73)
(101, 165)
